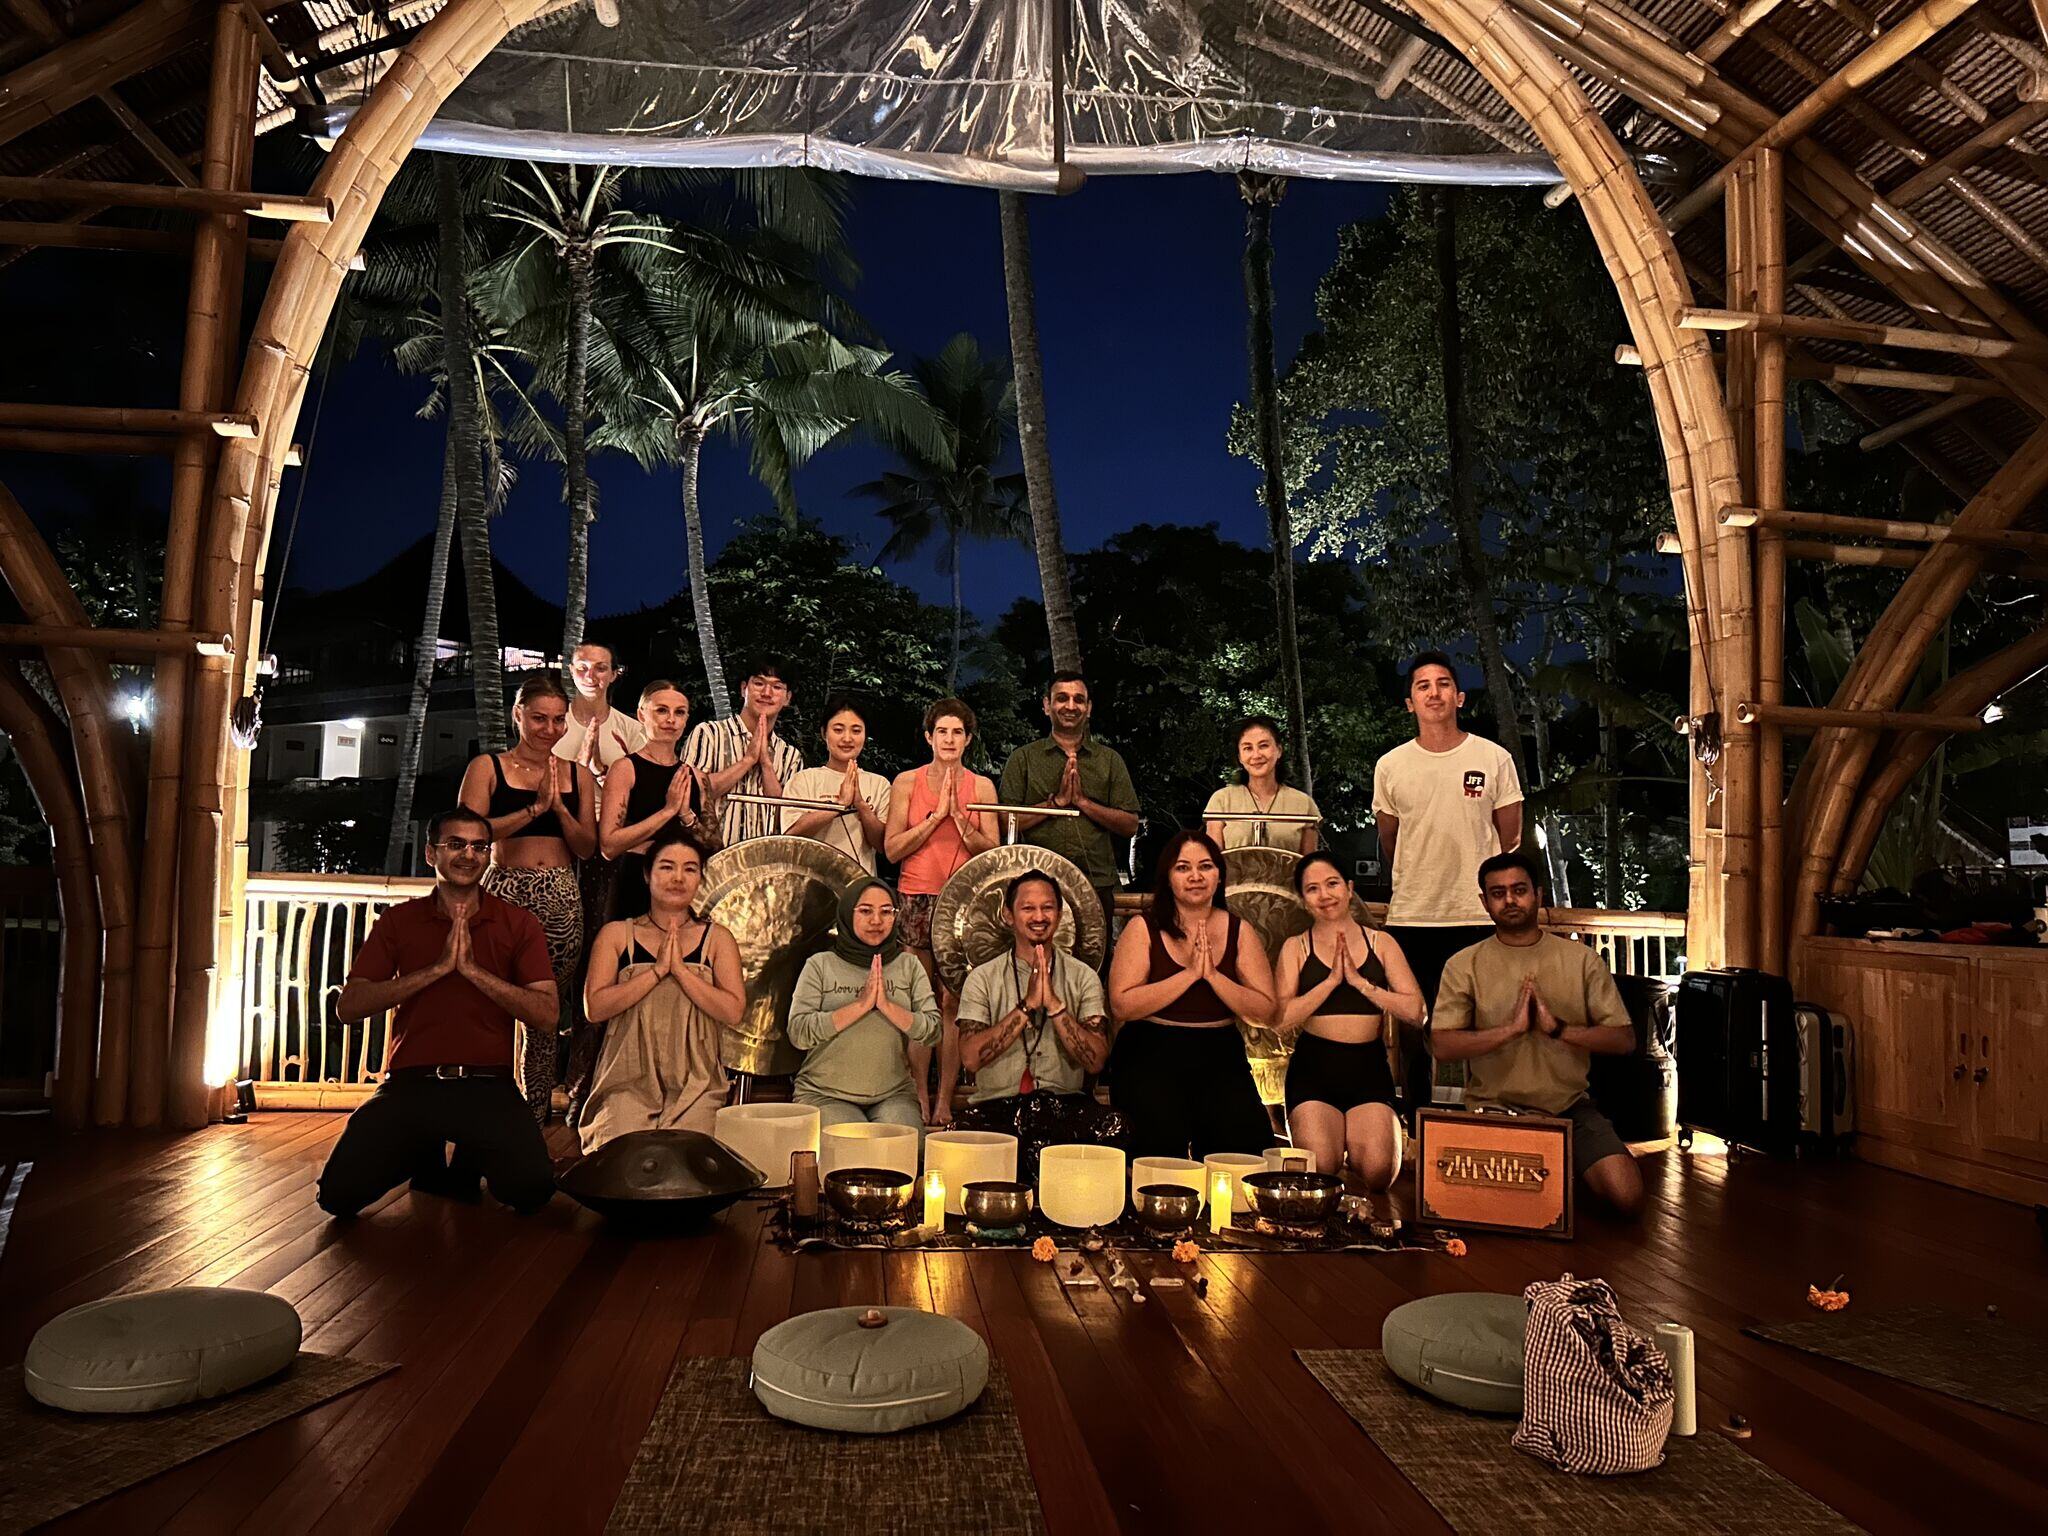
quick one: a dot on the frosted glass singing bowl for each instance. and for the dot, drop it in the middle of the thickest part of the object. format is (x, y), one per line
(768, 1135)
(861, 1144)
(1239, 1165)
(969, 1157)
(1167, 1170)
(1081, 1185)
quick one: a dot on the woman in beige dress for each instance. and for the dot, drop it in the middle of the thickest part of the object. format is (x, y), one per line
(664, 985)
(1262, 790)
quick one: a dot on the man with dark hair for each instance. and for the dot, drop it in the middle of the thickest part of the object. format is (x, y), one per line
(1032, 1031)
(1526, 1011)
(460, 967)
(598, 735)
(1442, 803)
(744, 754)
(1066, 770)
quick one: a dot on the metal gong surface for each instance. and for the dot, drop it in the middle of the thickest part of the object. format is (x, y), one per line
(1258, 885)
(778, 897)
(967, 922)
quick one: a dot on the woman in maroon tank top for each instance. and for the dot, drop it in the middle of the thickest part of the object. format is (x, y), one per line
(1184, 974)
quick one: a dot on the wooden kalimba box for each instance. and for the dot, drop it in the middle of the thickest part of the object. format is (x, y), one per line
(1507, 1172)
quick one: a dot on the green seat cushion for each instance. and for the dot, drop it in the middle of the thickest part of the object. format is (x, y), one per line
(1464, 1347)
(160, 1349)
(825, 1370)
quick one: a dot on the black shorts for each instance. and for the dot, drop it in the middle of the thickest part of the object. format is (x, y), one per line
(1339, 1073)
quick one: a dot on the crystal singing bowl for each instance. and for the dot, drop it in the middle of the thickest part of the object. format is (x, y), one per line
(875, 1195)
(1167, 1207)
(997, 1202)
(1297, 1199)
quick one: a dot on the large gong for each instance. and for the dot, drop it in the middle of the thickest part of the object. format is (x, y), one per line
(778, 897)
(967, 923)
(1258, 885)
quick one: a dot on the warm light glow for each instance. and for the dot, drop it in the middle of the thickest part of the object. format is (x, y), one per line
(223, 1046)
(768, 1135)
(1234, 1166)
(968, 1157)
(862, 1145)
(1081, 1185)
(1219, 1201)
(935, 1199)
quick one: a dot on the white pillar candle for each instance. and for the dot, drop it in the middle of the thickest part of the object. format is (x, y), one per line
(935, 1200)
(1219, 1200)
(1236, 1165)
(861, 1144)
(1081, 1185)
(969, 1157)
(1167, 1170)
(768, 1135)
(1675, 1339)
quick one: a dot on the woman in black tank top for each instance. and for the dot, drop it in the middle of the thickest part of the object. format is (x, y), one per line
(1339, 984)
(647, 792)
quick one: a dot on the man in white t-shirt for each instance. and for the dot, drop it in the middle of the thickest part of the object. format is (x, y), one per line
(1444, 803)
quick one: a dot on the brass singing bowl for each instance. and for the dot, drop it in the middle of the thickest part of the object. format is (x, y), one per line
(997, 1202)
(967, 919)
(778, 897)
(1297, 1199)
(877, 1195)
(1166, 1207)
(1258, 885)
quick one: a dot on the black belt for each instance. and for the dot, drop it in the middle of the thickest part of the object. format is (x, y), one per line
(446, 1073)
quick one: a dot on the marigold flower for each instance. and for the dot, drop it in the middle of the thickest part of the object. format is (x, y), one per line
(1186, 1251)
(1826, 1301)
(1455, 1248)
(1044, 1250)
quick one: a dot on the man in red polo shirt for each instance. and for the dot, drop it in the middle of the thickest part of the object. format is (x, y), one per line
(459, 966)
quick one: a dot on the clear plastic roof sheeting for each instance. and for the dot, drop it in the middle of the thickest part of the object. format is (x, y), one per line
(993, 92)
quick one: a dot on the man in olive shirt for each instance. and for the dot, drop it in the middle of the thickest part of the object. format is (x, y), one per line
(1526, 1010)
(1066, 770)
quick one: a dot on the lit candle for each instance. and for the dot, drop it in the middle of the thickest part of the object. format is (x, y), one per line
(935, 1200)
(1219, 1201)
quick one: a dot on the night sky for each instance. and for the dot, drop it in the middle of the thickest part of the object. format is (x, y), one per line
(1142, 324)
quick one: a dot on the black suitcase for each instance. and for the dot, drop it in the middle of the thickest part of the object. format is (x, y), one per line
(1738, 1059)
(1638, 1092)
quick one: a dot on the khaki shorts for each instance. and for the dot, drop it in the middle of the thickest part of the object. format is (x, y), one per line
(1593, 1137)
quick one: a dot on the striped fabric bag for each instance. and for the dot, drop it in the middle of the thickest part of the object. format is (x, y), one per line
(1596, 1395)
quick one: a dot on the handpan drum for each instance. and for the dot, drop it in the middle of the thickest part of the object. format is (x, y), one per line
(650, 1176)
(967, 922)
(778, 897)
(1258, 885)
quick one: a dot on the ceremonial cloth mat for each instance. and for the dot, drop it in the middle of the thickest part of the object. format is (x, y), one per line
(714, 1460)
(1982, 1360)
(52, 1462)
(1463, 1464)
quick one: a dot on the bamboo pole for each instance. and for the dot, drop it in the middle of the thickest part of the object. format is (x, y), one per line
(285, 207)
(1799, 366)
(1803, 718)
(1404, 59)
(142, 36)
(1916, 421)
(1734, 29)
(126, 644)
(1814, 328)
(39, 586)
(30, 234)
(1899, 559)
(1897, 44)
(52, 778)
(1885, 528)
(1966, 154)
(1767, 222)
(126, 419)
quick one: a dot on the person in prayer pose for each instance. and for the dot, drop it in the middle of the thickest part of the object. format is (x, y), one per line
(1442, 802)
(859, 1011)
(460, 967)
(1261, 790)
(744, 755)
(1033, 1030)
(662, 985)
(1526, 1011)
(861, 824)
(646, 793)
(933, 830)
(1339, 984)
(542, 811)
(1067, 769)
(597, 734)
(1184, 974)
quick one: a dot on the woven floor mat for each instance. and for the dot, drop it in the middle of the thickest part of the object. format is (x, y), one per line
(1983, 1360)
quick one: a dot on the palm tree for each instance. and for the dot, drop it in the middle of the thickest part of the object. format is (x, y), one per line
(1260, 193)
(977, 404)
(750, 357)
(1053, 582)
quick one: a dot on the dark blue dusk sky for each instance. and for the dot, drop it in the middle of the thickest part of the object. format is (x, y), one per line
(1142, 323)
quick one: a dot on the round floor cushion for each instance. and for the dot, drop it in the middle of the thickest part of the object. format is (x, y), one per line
(1465, 1347)
(828, 1370)
(159, 1349)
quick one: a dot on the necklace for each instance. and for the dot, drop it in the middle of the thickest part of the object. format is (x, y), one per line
(1034, 1022)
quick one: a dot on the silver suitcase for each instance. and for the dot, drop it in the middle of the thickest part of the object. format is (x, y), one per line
(1827, 1076)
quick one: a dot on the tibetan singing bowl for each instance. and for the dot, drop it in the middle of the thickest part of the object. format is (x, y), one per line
(874, 1195)
(997, 1203)
(1293, 1198)
(1167, 1207)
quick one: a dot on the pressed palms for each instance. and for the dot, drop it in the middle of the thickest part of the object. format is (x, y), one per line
(745, 357)
(977, 403)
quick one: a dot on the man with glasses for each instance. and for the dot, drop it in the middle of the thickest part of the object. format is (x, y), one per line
(744, 755)
(459, 966)
(598, 735)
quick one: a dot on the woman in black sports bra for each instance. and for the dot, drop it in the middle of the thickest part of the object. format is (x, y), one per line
(1338, 983)
(647, 792)
(543, 815)
(663, 987)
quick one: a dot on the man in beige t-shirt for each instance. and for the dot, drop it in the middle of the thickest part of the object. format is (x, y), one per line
(1526, 1011)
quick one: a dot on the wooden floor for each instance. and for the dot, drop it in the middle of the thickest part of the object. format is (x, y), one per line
(533, 1351)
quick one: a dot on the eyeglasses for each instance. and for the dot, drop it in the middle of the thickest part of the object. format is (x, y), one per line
(464, 844)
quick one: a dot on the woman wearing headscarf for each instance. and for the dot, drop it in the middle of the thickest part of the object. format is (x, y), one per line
(858, 1009)
(662, 985)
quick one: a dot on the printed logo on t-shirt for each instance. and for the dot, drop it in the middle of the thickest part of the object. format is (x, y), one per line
(1475, 784)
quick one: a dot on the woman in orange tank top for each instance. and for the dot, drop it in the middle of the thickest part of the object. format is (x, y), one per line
(931, 833)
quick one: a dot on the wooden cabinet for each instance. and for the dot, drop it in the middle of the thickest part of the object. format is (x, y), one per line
(1951, 1057)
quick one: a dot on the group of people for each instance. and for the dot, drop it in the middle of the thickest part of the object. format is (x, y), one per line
(1463, 970)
